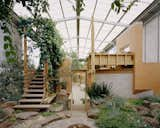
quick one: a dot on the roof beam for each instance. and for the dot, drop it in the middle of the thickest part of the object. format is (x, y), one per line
(89, 19)
(113, 27)
(95, 6)
(65, 23)
(80, 37)
(100, 28)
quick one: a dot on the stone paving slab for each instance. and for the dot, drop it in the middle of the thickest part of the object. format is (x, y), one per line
(76, 118)
(59, 120)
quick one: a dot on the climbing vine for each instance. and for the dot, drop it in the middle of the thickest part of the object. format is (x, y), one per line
(47, 38)
(35, 7)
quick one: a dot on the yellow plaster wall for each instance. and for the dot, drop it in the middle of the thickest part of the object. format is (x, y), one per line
(65, 73)
(147, 75)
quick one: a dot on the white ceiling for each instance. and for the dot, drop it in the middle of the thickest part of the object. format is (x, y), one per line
(107, 24)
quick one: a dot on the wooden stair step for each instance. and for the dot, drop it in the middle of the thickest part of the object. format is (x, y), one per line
(33, 106)
(36, 86)
(30, 100)
(34, 83)
(32, 95)
(37, 82)
(38, 79)
(39, 76)
(35, 90)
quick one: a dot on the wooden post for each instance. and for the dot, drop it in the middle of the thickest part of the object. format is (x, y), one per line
(92, 52)
(46, 89)
(25, 64)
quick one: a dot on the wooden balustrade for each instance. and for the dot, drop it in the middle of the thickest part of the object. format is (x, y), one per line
(103, 59)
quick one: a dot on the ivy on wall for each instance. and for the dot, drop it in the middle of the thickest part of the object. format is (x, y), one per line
(35, 7)
(47, 38)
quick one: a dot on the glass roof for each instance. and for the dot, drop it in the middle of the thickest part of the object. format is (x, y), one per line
(107, 23)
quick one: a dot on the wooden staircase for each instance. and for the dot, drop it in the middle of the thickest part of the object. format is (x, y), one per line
(34, 95)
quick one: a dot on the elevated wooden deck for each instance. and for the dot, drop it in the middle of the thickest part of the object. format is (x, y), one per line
(103, 59)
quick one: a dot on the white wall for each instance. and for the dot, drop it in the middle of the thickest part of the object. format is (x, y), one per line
(121, 83)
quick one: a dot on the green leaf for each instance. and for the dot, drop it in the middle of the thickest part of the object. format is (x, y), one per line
(112, 6)
(117, 3)
(7, 53)
(6, 46)
(7, 39)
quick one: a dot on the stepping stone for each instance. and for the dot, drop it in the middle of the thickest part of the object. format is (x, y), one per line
(26, 115)
(50, 119)
(93, 113)
(56, 108)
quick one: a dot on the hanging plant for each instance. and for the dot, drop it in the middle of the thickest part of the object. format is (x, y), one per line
(118, 5)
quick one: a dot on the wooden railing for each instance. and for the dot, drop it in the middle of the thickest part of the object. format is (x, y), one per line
(46, 82)
(102, 59)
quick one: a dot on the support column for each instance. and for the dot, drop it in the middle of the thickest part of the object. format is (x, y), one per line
(25, 65)
(46, 89)
(92, 53)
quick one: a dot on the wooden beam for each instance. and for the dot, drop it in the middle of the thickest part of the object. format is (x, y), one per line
(25, 64)
(46, 79)
(92, 52)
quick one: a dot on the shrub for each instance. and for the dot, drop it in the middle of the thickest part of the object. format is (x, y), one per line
(136, 101)
(2, 113)
(116, 114)
(152, 99)
(11, 81)
(45, 114)
(98, 90)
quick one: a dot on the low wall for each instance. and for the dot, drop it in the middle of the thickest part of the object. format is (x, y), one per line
(121, 84)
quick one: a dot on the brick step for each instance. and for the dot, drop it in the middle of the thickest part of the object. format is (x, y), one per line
(33, 106)
(32, 95)
(30, 100)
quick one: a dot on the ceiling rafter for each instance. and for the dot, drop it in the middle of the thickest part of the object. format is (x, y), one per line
(113, 28)
(100, 28)
(110, 31)
(80, 37)
(65, 24)
(95, 6)
(89, 19)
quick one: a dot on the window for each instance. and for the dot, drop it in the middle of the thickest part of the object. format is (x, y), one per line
(125, 49)
(112, 50)
(151, 49)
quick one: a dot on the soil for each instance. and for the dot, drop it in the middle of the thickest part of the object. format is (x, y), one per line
(78, 126)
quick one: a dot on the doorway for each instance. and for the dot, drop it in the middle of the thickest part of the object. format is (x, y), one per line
(79, 80)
